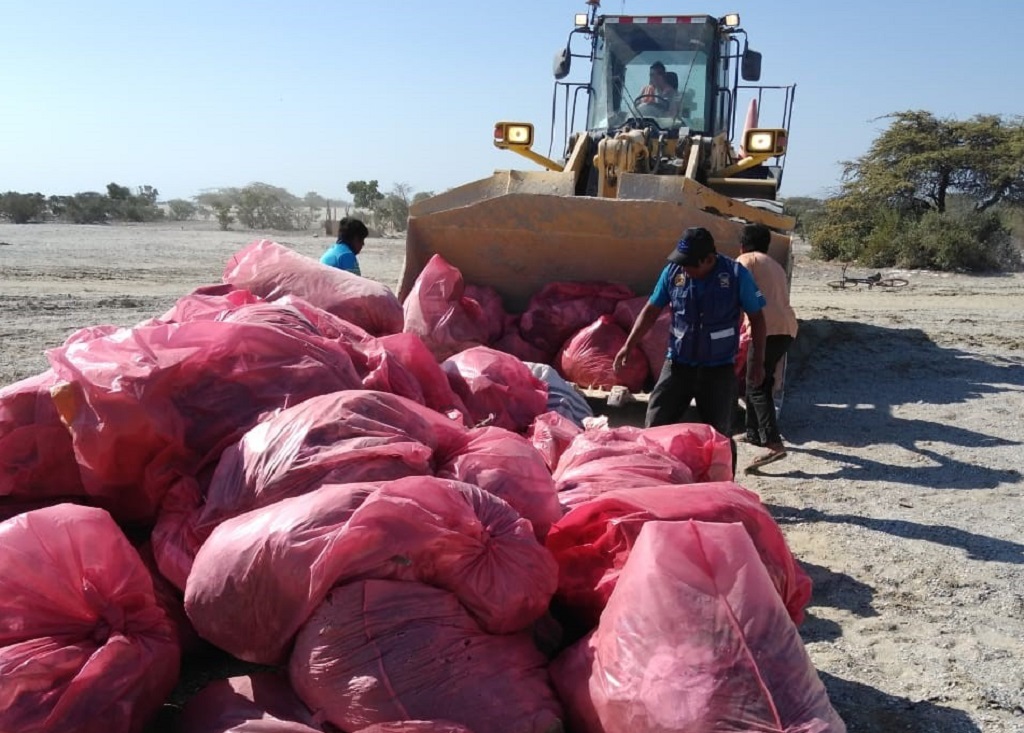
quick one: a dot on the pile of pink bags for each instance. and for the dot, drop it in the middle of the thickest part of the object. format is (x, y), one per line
(385, 504)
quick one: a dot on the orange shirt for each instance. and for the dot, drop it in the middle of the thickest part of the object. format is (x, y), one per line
(779, 317)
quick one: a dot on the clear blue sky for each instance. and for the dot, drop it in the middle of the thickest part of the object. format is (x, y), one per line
(311, 94)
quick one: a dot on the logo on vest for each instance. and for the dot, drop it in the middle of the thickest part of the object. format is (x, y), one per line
(680, 279)
(724, 280)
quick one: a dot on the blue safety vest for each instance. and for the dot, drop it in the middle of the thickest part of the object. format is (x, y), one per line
(705, 326)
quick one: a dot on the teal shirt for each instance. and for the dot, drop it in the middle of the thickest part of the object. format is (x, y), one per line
(342, 257)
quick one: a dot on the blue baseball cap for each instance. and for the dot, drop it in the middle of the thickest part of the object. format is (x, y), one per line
(691, 249)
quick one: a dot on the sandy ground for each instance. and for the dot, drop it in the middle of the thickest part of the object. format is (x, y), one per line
(904, 414)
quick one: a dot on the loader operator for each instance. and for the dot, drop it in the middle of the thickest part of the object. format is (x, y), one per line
(657, 92)
(352, 234)
(707, 293)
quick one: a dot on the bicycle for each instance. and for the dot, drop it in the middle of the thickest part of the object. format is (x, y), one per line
(871, 281)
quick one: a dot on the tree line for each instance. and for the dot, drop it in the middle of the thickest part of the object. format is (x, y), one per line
(930, 193)
(256, 206)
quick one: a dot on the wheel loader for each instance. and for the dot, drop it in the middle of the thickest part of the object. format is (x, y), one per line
(638, 167)
(637, 172)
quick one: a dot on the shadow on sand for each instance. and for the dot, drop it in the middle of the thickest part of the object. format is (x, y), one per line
(868, 710)
(847, 381)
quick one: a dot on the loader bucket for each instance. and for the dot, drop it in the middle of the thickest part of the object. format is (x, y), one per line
(517, 232)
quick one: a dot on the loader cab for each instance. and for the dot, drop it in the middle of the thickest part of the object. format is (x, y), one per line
(622, 55)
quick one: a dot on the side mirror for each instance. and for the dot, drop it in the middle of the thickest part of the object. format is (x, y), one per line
(563, 61)
(750, 66)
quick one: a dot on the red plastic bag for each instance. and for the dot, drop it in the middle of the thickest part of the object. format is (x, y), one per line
(506, 465)
(603, 459)
(512, 342)
(551, 434)
(272, 271)
(561, 309)
(84, 646)
(37, 459)
(258, 577)
(148, 404)
(695, 638)
(170, 599)
(437, 310)
(496, 388)
(654, 344)
(352, 436)
(257, 703)
(379, 651)
(494, 310)
(587, 358)
(205, 304)
(593, 542)
(402, 364)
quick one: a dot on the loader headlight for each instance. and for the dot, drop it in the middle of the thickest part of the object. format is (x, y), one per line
(517, 134)
(581, 20)
(732, 20)
(772, 142)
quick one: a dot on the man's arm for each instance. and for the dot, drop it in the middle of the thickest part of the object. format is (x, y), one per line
(643, 323)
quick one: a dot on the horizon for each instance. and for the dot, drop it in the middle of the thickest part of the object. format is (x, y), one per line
(321, 95)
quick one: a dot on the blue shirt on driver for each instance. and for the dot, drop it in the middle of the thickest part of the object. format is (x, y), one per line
(342, 257)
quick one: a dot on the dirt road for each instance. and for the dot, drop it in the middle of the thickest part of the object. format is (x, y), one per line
(902, 493)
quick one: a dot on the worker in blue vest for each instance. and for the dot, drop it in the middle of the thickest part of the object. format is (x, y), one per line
(708, 293)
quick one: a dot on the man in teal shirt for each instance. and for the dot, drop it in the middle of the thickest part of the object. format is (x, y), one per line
(352, 235)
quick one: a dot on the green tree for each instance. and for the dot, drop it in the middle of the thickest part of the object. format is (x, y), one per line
(89, 207)
(21, 208)
(896, 203)
(118, 193)
(262, 206)
(225, 218)
(422, 196)
(393, 211)
(182, 210)
(806, 210)
(365, 194)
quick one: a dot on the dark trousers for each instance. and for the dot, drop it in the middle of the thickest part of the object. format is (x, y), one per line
(712, 388)
(761, 423)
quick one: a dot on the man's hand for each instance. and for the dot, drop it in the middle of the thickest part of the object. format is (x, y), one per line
(620, 359)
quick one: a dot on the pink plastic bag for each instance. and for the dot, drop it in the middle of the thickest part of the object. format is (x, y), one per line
(402, 364)
(551, 434)
(494, 310)
(257, 703)
(654, 344)
(84, 646)
(37, 459)
(272, 271)
(379, 651)
(439, 312)
(507, 465)
(206, 303)
(593, 542)
(176, 538)
(497, 389)
(149, 404)
(512, 342)
(604, 459)
(258, 577)
(587, 358)
(352, 436)
(561, 309)
(695, 638)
